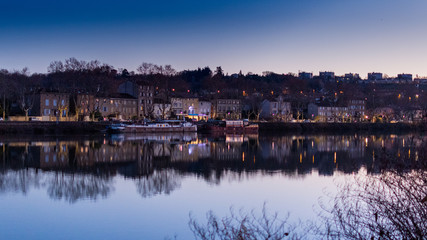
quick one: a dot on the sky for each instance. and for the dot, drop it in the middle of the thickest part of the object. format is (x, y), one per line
(282, 36)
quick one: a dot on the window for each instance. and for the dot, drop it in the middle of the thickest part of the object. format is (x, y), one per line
(47, 112)
(105, 109)
(54, 102)
(63, 102)
(47, 102)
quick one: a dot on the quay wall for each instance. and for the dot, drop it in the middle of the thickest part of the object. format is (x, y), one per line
(276, 127)
(39, 127)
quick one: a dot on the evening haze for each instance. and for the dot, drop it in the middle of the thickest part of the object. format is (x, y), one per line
(249, 35)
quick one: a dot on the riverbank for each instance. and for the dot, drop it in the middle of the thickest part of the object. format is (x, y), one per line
(11, 127)
(338, 128)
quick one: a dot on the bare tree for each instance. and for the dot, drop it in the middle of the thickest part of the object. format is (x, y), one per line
(390, 205)
(255, 106)
(149, 111)
(5, 90)
(241, 225)
(26, 102)
(146, 68)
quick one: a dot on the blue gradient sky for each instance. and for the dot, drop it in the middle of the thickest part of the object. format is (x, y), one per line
(283, 36)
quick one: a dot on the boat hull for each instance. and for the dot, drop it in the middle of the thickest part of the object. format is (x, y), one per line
(252, 129)
(149, 129)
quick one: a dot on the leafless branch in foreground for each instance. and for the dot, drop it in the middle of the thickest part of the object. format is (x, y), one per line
(386, 206)
(244, 226)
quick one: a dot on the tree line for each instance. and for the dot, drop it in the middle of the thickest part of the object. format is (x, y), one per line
(93, 77)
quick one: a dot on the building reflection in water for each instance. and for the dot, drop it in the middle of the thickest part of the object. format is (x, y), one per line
(73, 169)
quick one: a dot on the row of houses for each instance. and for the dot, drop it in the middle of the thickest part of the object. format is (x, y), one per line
(138, 102)
(353, 111)
(126, 105)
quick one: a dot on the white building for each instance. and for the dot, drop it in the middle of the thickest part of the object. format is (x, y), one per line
(276, 109)
(205, 108)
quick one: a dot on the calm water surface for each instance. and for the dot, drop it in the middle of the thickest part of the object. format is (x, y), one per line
(146, 186)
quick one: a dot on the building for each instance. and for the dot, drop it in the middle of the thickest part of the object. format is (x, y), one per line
(205, 109)
(227, 109)
(51, 106)
(333, 114)
(276, 109)
(326, 112)
(185, 107)
(85, 105)
(145, 101)
(312, 111)
(375, 76)
(144, 94)
(305, 75)
(404, 77)
(328, 76)
(118, 106)
(348, 77)
(357, 109)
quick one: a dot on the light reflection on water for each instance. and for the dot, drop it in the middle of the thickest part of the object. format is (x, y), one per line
(127, 186)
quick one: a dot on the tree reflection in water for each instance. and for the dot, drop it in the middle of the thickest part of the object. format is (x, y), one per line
(19, 181)
(72, 169)
(390, 205)
(159, 182)
(74, 187)
(70, 187)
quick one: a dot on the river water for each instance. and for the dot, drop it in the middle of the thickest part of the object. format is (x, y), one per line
(147, 186)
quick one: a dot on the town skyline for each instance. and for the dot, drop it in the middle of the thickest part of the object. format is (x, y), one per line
(384, 75)
(363, 36)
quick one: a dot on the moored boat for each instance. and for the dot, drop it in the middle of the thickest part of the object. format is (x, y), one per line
(235, 127)
(167, 126)
(116, 128)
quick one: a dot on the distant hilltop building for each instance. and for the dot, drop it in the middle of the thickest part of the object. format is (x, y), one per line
(375, 76)
(327, 75)
(405, 77)
(305, 75)
(352, 76)
(348, 77)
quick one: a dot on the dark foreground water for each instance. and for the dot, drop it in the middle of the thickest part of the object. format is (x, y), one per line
(146, 186)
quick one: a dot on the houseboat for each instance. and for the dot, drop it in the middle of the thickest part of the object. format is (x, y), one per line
(160, 127)
(234, 127)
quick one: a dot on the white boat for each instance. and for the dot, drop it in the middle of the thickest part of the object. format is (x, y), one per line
(167, 126)
(116, 128)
